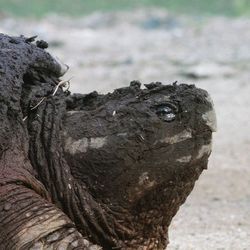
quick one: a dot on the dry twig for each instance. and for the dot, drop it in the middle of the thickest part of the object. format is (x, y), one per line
(64, 83)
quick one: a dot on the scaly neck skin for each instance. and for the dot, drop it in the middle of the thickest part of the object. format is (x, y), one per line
(127, 228)
(142, 229)
(141, 226)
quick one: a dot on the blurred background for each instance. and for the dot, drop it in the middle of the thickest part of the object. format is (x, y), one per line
(108, 43)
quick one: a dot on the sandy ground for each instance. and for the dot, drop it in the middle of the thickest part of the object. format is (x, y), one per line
(106, 51)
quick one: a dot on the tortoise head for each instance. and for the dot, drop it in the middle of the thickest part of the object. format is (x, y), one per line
(141, 149)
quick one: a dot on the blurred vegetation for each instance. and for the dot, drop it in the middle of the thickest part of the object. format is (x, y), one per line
(38, 8)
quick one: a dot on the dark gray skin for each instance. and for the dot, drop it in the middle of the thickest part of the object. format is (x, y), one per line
(108, 169)
(139, 152)
(28, 217)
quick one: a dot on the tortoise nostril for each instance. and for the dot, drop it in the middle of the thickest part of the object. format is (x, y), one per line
(165, 113)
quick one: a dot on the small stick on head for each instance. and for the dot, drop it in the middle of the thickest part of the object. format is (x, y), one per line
(63, 84)
(39, 103)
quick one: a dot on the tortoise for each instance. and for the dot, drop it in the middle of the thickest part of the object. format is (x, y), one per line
(93, 171)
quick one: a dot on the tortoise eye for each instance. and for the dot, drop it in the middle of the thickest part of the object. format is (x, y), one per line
(165, 113)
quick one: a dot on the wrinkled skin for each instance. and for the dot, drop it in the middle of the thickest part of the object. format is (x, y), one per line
(108, 169)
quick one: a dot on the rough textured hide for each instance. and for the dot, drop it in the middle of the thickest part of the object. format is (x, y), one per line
(28, 219)
(108, 169)
(139, 152)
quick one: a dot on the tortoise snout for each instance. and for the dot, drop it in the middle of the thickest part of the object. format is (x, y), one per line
(210, 116)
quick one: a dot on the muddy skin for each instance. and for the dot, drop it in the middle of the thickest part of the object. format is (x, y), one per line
(108, 169)
(139, 152)
(28, 218)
